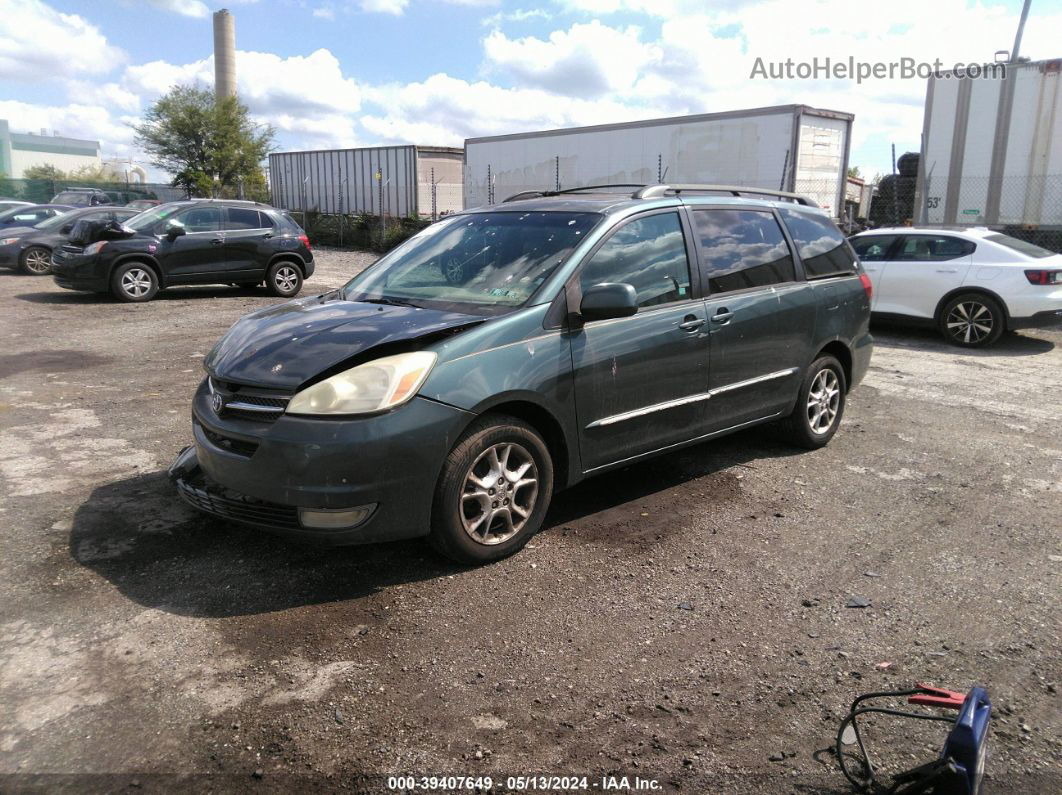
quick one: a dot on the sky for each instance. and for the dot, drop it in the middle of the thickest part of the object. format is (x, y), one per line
(345, 73)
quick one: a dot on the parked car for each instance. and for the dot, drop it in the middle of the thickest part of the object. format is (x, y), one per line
(205, 241)
(83, 197)
(31, 215)
(586, 331)
(30, 249)
(971, 284)
(7, 204)
(143, 204)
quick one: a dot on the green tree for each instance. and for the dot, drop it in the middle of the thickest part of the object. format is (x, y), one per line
(212, 148)
(854, 172)
(44, 171)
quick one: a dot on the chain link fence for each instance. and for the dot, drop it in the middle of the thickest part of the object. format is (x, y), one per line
(41, 191)
(358, 231)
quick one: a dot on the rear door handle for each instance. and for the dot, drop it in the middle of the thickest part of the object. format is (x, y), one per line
(722, 316)
(217, 241)
(691, 323)
(947, 270)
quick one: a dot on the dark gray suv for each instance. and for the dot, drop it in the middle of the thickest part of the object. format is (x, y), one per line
(510, 351)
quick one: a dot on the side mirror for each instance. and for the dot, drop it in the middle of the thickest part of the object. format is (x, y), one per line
(65, 229)
(610, 300)
(174, 231)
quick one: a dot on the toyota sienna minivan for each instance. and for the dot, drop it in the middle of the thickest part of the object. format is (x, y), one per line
(510, 351)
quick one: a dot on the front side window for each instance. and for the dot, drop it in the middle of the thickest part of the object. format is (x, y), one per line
(933, 248)
(481, 263)
(873, 248)
(200, 219)
(647, 253)
(823, 249)
(742, 249)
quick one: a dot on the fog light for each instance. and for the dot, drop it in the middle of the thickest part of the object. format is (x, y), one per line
(343, 519)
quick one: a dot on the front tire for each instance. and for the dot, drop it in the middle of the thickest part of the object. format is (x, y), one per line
(819, 406)
(284, 279)
(493, 493)
(972, 320)
(134, 283)
(36, 261)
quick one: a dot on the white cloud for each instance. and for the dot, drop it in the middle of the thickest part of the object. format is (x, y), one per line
(39, 43)
(324, 12)
(587, 60)
(75, 120)
(186, 8)
(395, 7)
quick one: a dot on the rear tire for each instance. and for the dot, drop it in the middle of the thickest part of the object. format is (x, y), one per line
(493, 493)
(36, 261)
(820, 405)
(972, 320)
(134, 283)
(284, 279)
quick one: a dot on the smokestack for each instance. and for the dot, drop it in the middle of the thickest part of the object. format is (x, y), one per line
(224, 55)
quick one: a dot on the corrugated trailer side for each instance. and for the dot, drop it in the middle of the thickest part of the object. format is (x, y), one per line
(345, 180)
(992, 149)
(791, 147)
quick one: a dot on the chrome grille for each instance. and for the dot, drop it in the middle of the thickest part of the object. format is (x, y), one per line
(248, 403)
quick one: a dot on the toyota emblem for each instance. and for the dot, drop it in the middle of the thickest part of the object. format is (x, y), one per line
(218, 403)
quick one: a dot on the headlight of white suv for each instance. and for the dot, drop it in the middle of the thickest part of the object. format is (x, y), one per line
(374, 386)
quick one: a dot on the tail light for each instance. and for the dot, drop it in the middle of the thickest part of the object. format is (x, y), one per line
(865, 281)
(1044, 277)
(305, 240)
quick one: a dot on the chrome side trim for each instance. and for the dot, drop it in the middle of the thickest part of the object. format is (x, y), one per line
(757, 380)
(686, 443)
(671, 404)
(629, 415)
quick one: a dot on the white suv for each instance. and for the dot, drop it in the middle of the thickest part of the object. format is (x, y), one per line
(973, 284)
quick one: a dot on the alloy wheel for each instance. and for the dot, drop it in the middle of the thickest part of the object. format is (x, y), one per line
(38, 261)
(500, 491)
(970, 322)
(453, 270)
(824, 400)
(286, 279)
(136, 282)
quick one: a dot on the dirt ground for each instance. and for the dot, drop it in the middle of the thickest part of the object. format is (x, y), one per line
(682, 621)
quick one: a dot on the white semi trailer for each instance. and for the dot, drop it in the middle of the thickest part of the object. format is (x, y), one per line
(788, 147)
(992, 149)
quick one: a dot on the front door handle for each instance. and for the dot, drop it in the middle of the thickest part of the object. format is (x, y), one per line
(947, 270)
(722, 316)
(217, 241)
(691, 323)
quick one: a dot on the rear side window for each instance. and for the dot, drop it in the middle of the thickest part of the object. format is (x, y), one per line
(823, 249)
(933, 248)
(647, 253)
(873, 248)
(242, 218)
(742, 249)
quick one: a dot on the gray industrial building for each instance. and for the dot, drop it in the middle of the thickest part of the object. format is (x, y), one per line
(385, 180)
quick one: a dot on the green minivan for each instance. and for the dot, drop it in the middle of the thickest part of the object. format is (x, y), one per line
(510, 351)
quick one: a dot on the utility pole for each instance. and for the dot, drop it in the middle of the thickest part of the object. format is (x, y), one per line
(1021, 29)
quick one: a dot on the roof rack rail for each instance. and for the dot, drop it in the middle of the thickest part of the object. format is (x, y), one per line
(536, 194)
(656, 191)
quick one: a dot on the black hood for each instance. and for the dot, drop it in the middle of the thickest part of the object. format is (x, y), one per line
(286, 345)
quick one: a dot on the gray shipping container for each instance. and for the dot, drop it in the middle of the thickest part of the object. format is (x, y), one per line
(382, 180)
(992, 149)
(787, 147)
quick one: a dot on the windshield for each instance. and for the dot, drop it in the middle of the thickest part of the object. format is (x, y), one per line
(1021, 246)
(148, 218)
(483, 264)
(56, 220)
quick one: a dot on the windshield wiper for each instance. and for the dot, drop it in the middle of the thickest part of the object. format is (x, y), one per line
(388, 301)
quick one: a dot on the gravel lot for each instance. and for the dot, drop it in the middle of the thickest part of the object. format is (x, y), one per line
(682, 620)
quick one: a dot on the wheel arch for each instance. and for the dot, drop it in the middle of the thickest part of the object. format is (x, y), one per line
(288, 256)
(545, 422)
(143, 259)
(975, 291)
(842, 353)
